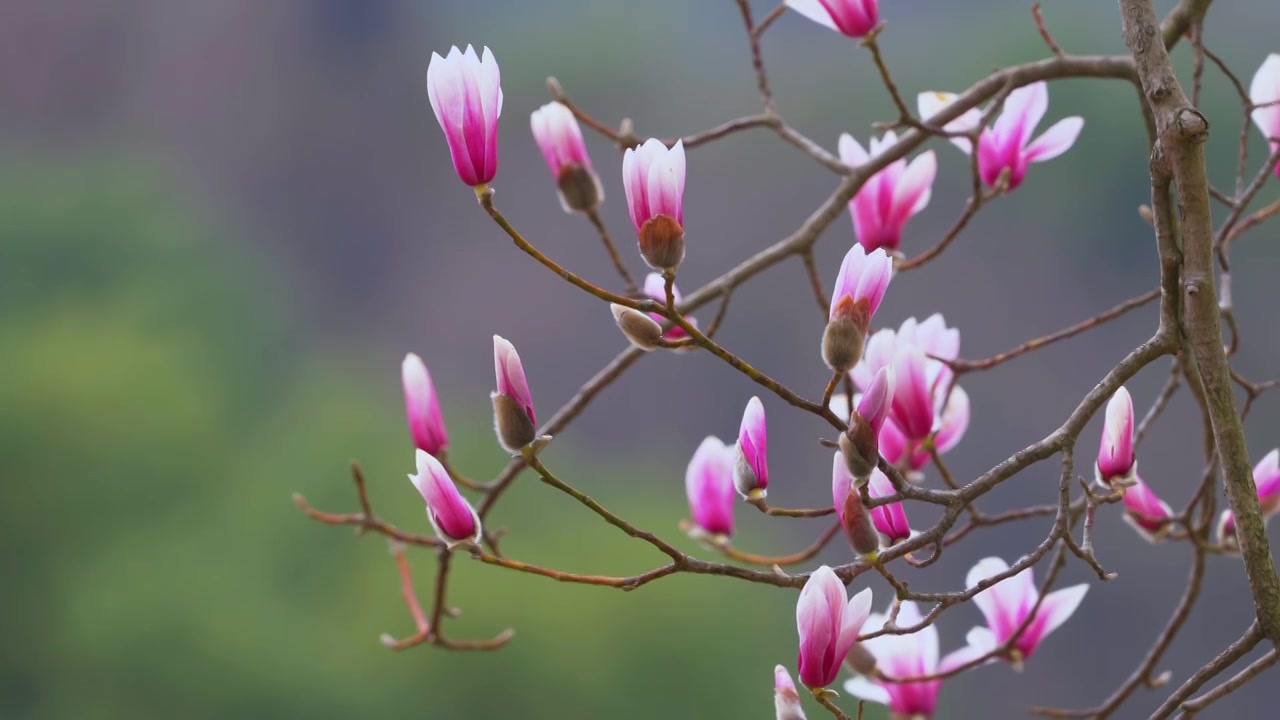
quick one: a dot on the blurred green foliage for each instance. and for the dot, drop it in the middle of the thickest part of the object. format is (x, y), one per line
(157, 417)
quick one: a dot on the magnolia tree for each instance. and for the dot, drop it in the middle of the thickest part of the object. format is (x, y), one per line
(893, 399)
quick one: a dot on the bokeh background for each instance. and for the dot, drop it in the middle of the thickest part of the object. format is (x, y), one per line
(222, 225)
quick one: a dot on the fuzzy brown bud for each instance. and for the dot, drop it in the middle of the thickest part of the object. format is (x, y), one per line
(639, 328)
(858, 526)
(579, 188)
(512, 424)
(859, 448)
(846, 333)
(662, 242)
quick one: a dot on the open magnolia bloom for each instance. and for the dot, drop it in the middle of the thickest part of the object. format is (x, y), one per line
(1007, 145)
(1007, 605)
(881, 209)
(901, 657)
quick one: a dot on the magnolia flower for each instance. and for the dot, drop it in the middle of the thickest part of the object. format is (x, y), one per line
(1145, 512)
(452, 517)
(903, 657)
(513, 415)
(828, 626)
(1007, 605)
(1266, 476)
(653, 178)
(854, 18)
(858, 443)
(1007, 144)
(891, 519)
(1116, 458)
(556, 131)
(854, 518)
(708, 481)
(422, 406)
(860, 286)
(786, 701)
(656, 288)
(889, 198)
(920, 391)
(1265, 91)
(466, 95)
(751, 462)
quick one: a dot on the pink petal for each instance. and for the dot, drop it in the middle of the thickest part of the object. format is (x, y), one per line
(853, 617)
(814, 10)
(954, 422)
(876, 403)
(449, 511)
(510, 375)
(1056, 140)
(841, 484)
(1265, 88)
(422, 406)
(912, 192)
(709, 486)
(912, 397)
(1054, 610)
(931, 103)
(1266, 476)
(1115, 453)
(851, 151)
(1006, 603)
(1023, 110)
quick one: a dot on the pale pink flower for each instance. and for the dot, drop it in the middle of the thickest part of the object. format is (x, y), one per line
(1265, 91)
(653, 178)
(891, 519)
(907, 656)
(1116, 458)
(828, 626)
(786, 701)
(1007, 605)
(751, 461)
(888, 199)
(1266, 477)
(556, 131)
(708, 482)
(422, 406)
(1146, 512)
(854, 18)
(863, 276)
(1007, 143)
(453, 518)
(466, 94)
(514, 417)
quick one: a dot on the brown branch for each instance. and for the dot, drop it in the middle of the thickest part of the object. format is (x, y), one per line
(1044, 31)
(628, 281)
(1216, 666)
(965, 366)
(1182, 130)
(1255, 668)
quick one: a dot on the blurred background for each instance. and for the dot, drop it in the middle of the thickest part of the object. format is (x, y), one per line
(223, 224)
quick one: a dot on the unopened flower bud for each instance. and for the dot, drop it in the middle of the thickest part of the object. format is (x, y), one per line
(662, 242)
(579, 188)
(858, 525)
(858, 447)
(845, 334)
(512, 424)
(785, 699)
(860, 660)
(639, 328)
(751, 461)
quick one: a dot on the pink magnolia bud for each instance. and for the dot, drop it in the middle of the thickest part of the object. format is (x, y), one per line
(556, 131)
(751, 462)
(708, 481)
(859, 288)
(1145, 512)
(466, 95)
(640, 329)
(453, 518)
(656, 288)
(913, 406)
(786, 702)
(856, 521)
(859, 448)
(653, 178)
(882, 207)
(422, 406)
(1116, 457)
(877, 402)
(514, 420)
(1007, 604)
(891, 519)
(828, 626)
(854, 18)
(1265, 91)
